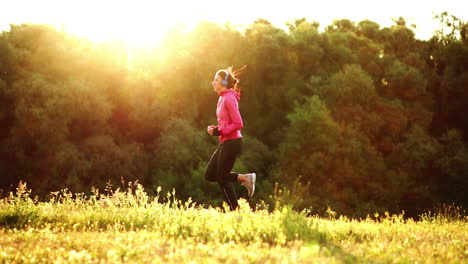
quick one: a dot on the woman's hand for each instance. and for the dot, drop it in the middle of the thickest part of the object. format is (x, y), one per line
(210, 129)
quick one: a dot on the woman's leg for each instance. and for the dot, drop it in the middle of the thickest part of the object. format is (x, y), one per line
(229, 194)
(228, 153)
(212, 166)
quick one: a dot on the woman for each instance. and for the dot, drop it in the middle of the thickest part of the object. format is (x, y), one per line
(229, 134)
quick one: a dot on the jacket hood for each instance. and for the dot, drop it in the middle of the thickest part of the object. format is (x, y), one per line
(231, 91)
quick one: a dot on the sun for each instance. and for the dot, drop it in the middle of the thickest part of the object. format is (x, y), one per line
(136, 25)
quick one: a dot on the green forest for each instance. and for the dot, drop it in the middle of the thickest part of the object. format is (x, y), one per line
(358, 118)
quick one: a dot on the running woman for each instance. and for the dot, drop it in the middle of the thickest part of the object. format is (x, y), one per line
(228, 131)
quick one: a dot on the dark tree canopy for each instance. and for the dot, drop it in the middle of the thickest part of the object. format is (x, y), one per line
(358, 118)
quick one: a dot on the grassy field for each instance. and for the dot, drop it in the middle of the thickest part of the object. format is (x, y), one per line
(131, 227)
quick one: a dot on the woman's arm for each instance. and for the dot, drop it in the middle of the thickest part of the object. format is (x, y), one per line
(216, 132)
(232, 106)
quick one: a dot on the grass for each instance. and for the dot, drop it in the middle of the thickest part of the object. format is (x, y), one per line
(131, 227)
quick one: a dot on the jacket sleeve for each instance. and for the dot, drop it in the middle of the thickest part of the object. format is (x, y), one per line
(232, 107)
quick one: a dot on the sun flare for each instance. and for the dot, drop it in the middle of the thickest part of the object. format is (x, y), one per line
(140, 23)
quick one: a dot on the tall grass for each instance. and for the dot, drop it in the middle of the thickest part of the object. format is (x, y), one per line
(133, 209)
(128, 225)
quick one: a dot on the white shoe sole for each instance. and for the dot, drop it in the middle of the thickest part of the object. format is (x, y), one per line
(254, 177)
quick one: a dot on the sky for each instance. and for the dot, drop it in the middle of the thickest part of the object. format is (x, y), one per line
(139, 22)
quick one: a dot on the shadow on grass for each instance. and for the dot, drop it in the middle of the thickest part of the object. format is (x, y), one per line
(296, 226)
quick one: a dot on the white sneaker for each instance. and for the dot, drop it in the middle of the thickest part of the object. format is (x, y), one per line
(250, 183)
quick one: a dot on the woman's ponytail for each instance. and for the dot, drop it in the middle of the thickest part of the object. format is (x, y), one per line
(234, 82)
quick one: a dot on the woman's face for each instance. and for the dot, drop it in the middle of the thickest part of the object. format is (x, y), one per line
(217, 86)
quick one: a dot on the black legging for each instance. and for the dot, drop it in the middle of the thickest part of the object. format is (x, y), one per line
(220, 165)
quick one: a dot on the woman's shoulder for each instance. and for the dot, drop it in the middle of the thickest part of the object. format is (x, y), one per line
(230, 97)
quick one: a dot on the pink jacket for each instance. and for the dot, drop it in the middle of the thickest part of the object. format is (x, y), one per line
(228, 115)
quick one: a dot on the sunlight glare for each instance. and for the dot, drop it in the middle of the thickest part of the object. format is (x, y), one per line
(142, 23)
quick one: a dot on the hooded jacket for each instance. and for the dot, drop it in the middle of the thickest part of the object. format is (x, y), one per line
(228, 116)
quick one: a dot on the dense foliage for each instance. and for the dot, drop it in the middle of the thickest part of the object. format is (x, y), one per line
(357, 118)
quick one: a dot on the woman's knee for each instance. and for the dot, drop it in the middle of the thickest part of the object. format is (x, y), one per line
(210, 175)
(211, 167)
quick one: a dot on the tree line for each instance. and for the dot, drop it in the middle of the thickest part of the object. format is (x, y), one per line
(358, 118)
